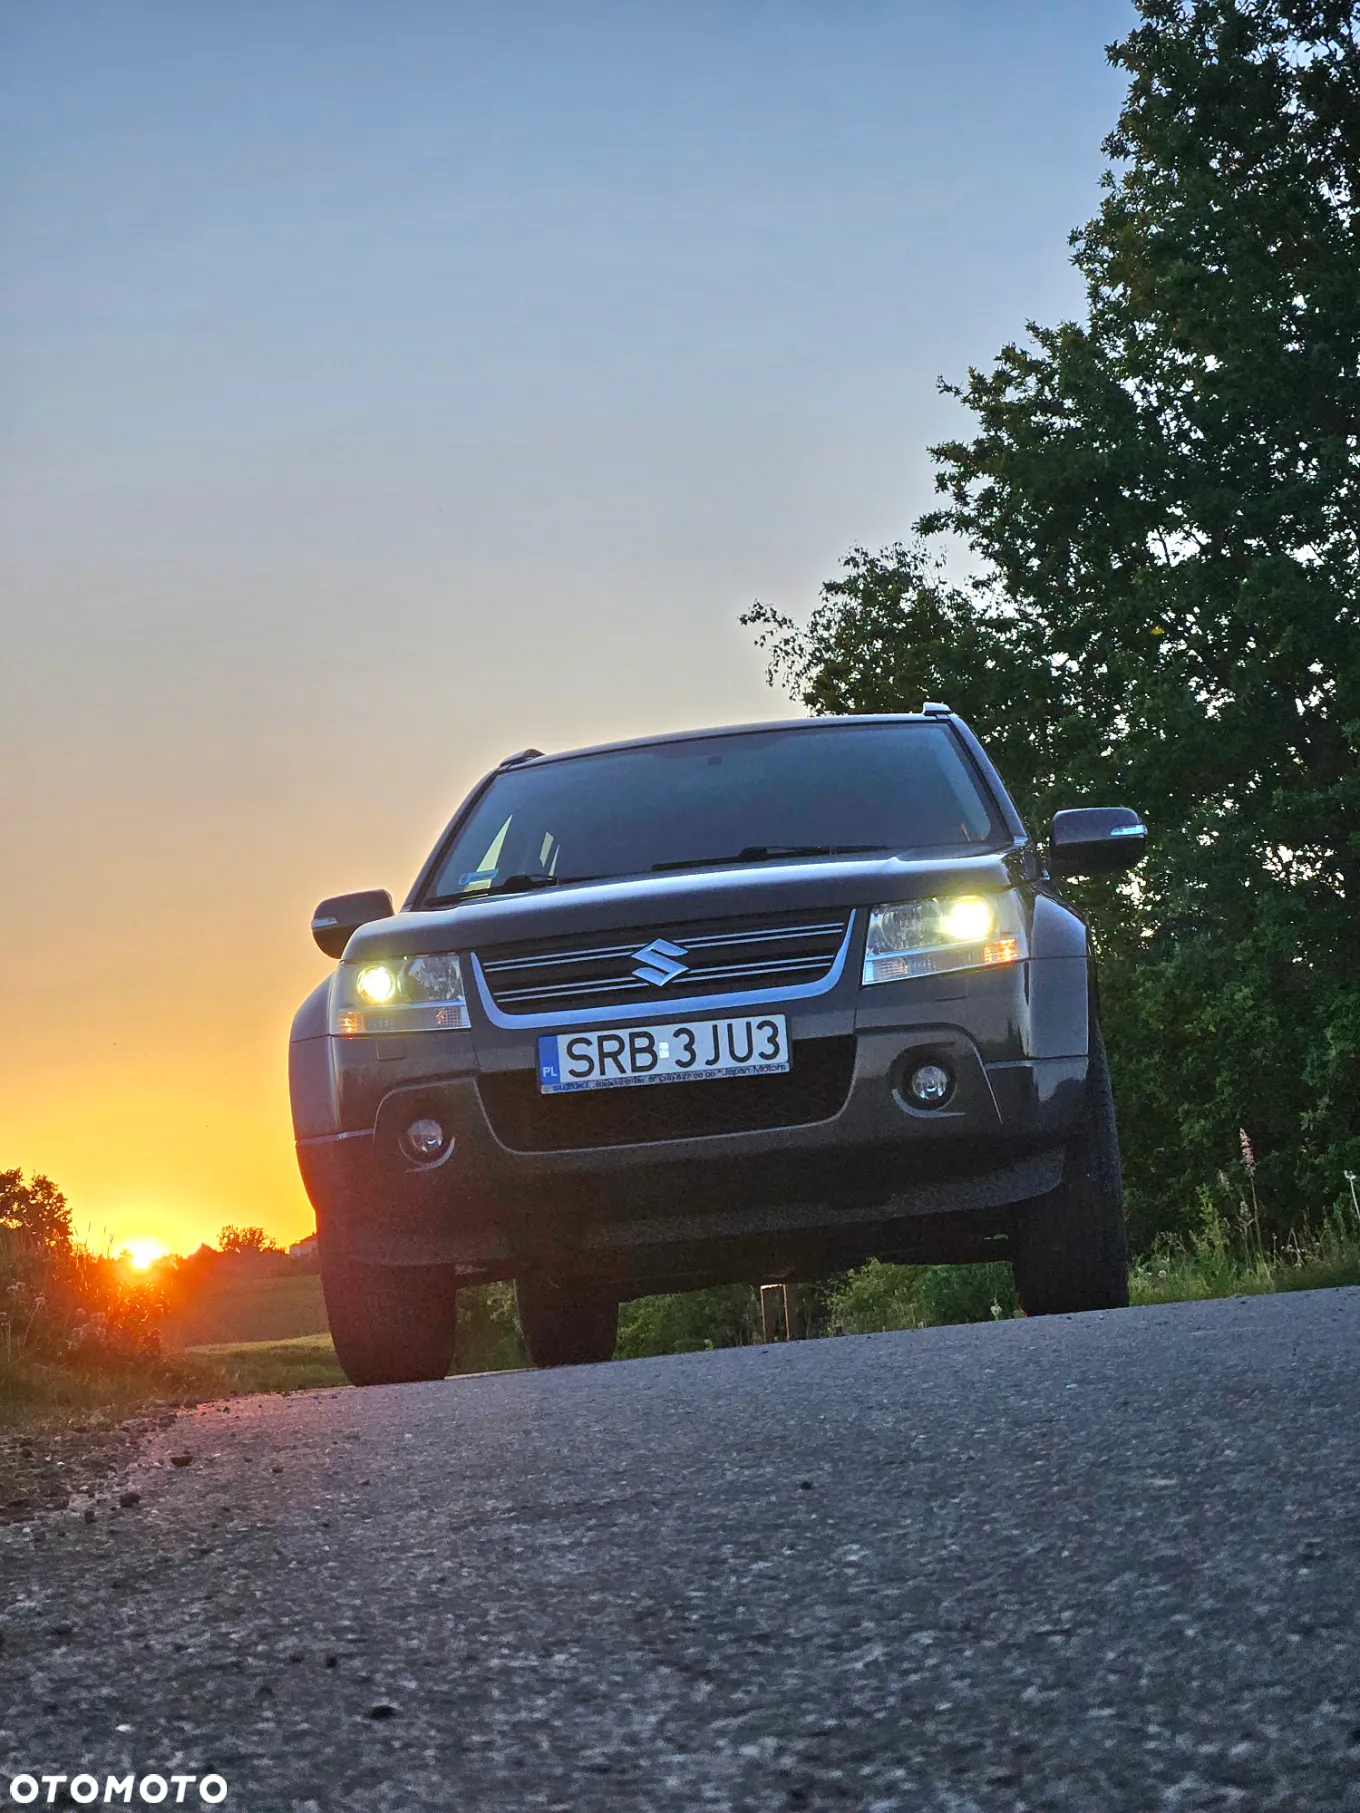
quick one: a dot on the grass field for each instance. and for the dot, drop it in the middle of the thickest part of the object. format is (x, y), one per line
(235, 1309)
(488, 1341)
(300, 1364)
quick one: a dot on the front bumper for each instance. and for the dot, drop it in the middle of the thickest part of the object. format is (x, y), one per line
(500, 1198)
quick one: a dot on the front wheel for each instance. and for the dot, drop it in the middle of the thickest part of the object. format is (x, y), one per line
(1069, 1250)
(565, 1325)
(391, 1324)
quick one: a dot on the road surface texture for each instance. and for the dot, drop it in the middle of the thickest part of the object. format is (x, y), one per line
(1096, 1562)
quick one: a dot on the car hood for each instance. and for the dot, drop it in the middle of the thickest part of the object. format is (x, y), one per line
(639, 903)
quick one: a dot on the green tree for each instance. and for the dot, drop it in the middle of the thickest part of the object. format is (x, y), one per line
(37, 1211)
(1162, 502)
(246, 1240)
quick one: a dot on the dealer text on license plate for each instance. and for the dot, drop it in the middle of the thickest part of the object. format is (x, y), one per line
(627, 1056)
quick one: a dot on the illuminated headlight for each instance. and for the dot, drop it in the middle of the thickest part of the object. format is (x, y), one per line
(376, 984)
(951, 931)
(398, 994)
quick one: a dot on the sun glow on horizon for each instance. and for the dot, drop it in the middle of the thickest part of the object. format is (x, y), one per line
(143, 1251)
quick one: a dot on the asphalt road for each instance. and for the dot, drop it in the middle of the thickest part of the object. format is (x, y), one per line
(1098, 1562)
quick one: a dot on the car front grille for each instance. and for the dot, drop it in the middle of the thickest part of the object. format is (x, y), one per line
(814, 1089)
(681, 962)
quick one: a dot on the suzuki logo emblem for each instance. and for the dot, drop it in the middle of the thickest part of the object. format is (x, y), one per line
(656, 962)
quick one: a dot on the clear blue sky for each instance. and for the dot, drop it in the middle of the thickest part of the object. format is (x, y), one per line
(389, 386)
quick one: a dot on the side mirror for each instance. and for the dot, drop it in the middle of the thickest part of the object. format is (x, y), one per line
(1096, 840)
(336, 920)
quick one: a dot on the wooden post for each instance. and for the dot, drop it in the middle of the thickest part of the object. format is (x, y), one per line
(773, 1298)
(769, 1312)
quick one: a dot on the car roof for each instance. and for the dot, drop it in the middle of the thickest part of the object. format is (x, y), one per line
(727, 730)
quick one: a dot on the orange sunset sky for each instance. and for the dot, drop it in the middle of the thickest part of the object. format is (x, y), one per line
(386, 389)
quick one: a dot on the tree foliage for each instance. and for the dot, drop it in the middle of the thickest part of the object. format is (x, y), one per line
(36, 1211)
(1162, 501)
(246, 1240)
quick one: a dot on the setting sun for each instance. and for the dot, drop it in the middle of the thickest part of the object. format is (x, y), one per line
(143, 1252)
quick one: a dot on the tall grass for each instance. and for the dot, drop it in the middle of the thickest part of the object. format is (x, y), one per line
(77, 1330)
(1227, 1256)
(63, 1305)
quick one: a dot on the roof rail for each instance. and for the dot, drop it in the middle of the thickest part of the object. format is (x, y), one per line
(933, 709)
(521, 755)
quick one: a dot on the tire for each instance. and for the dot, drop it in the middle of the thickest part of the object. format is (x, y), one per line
(1069, 1251)
(391, 1324)
(565, 1326)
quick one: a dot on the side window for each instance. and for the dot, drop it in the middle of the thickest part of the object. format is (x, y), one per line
(970, 821)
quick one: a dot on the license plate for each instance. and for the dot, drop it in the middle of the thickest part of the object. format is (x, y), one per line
(627, 1057)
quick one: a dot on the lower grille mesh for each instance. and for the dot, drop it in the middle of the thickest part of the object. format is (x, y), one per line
(525, 1121)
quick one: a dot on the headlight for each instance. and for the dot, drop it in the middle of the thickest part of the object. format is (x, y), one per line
(952, 931)
(398, 994)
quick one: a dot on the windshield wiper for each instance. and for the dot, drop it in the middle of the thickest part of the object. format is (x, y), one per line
(524, 883)
(521, 884)
(511, 884)
(762, 852)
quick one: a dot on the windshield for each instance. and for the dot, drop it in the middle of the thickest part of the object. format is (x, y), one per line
(750, 797)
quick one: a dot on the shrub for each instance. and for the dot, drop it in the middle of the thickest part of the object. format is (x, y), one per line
(59, 1303)
(488, 1330)
(689, 1321)
(877, 1297)
(874, 1298)
(966, 1293)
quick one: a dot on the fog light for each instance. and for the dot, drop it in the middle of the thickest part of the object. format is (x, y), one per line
(423, 1140)
(929, 1085)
